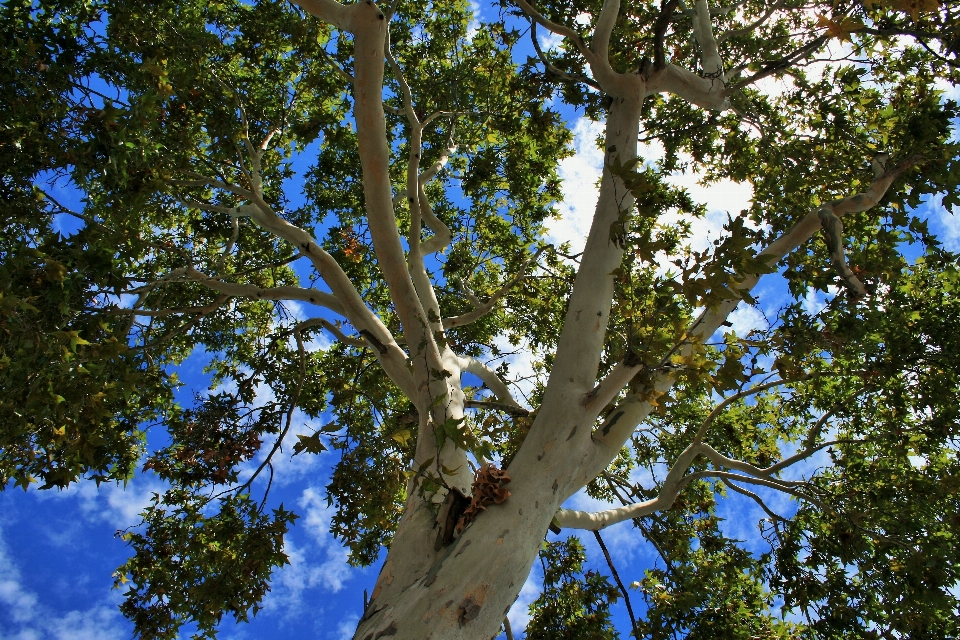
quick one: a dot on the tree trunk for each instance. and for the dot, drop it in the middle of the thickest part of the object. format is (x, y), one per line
(465, 589)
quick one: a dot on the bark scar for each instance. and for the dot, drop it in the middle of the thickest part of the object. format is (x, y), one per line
(612, 422)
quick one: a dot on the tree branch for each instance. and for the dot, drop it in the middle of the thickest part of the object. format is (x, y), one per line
(496, 406)
(213, 306)
(701, 432)
(710, 59)
(559, 29)
(710, 320)
(749, 28)
(754, 497)
(313, 296)
(549, 66)
(335, 330)
(604, 27)
(660, 33)
(623, 589)
(491, 379)
(833, 236)
(611, 385)
(486, 307)
(775, 66)
(330, 11)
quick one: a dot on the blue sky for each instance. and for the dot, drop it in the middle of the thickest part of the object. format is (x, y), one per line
(58, 548)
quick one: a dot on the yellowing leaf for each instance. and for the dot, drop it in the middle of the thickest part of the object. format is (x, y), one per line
(842, 29)
(401, 437)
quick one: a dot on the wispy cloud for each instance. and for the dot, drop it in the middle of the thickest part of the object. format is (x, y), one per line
(581, 172)
(32, 621)
(320, 564)
(116, 504)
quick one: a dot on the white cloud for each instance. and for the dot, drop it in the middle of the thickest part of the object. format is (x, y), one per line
(21, 603)
(579, 173)
(346, 627)
(745, 319)
(321, 564)
(548, 39)
(35, 623)
(946, 223)
(814, 302)
(117, 504)
(288, 468)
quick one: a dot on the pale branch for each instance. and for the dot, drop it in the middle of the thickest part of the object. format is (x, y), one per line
(582, 336)
(370, 38)
(596, 520)
(231, 243)
(623, 419)
(818, 427)
(484, 308)
(336, 66)
(469, 294)
(345, 298)
(406, 95)
(256, 153)
(733, 33)
(710, 320)
(434, 169)
(496, 406)
(205, 206)
(600, 43)
(441, 237)
(716, 11)
(833, 236)
(750, 494)
(776, 66)
(710, 59)
(335, 330)
(621, 85)
(415, 265)
(672, 484)
(550, 67)
(706, 93)
(340, 16)
(559, 29)
(676, 479)
(441, 232)
(609, 388)
(185, 326)
(763, 482)
(719, 459)
(233, 212)
(213, 182)
(490, 378)
(301, 294)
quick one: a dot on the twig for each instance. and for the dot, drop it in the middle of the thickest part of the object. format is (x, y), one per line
(616, 576)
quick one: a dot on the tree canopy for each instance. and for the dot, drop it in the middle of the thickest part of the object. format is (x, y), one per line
(347, 207)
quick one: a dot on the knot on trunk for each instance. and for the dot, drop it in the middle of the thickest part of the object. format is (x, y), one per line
(488, 488)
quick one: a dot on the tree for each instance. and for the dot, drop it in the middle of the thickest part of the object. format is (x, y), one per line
(420, 251)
